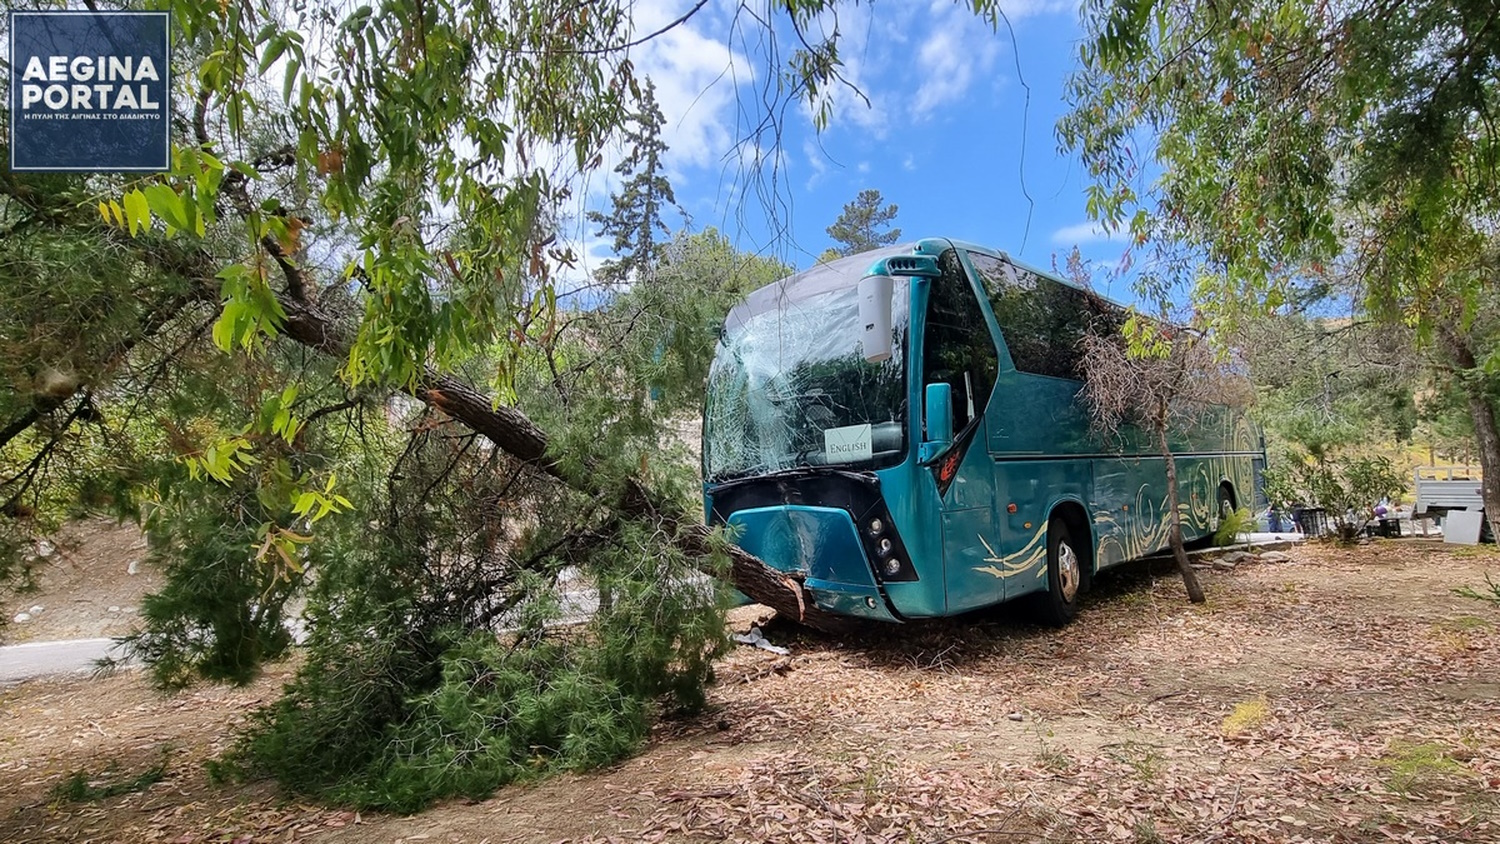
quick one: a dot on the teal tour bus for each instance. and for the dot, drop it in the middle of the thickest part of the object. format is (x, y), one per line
(903, 431)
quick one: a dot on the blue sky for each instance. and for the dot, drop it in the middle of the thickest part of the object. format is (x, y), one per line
(948, 134)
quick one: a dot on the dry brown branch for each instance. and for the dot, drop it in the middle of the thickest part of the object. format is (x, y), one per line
(1152, 390)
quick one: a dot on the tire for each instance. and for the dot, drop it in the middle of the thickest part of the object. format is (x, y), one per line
(1065, 575)
(1224, 505)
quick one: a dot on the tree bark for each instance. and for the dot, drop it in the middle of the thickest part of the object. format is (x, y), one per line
(1482, 413)
(18, 425)
(1174, 498)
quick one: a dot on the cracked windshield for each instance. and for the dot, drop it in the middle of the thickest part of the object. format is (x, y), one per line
(790, 388)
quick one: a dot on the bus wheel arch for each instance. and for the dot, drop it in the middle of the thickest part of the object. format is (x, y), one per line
(1070, 563)
(1225, 500)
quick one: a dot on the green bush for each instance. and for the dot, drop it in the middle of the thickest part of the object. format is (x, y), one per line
(1348, 487)
(1232, 525)
(408, 694)
(221, 612)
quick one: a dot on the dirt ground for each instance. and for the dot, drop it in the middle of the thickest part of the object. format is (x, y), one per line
(88, 586)
(1343, 695)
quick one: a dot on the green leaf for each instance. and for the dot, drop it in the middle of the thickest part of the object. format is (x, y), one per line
(273, 52)
(226, 327)
(137, 213)
(304, 502)
(293, 67)
(236, 114)
(167, 205)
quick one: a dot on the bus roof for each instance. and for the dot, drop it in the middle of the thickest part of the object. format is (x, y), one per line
(820, 278)
(846, 272)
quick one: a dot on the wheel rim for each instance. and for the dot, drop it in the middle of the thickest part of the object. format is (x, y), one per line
(1067, 571)
(1224, 509)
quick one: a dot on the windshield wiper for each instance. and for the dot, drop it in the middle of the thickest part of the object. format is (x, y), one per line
(798, 472)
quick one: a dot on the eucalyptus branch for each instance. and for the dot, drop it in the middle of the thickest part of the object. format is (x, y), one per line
(614, 48)
(333, 408)
(236, 187)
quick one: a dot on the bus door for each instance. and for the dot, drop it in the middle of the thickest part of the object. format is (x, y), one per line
(959, 350)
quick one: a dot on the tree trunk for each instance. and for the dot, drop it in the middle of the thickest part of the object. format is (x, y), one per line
(1179, 553)
(514, 433)
(1482, 413)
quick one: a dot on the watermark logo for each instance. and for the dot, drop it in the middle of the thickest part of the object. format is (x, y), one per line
(90, 91)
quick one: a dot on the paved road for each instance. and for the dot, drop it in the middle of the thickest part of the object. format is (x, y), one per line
(37, 659)
(41, 659)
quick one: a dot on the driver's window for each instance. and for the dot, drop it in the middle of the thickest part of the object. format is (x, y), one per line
(958, 348)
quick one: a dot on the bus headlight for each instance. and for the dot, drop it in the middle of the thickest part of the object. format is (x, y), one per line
(876, 527)
(890, 566)
(884, 548)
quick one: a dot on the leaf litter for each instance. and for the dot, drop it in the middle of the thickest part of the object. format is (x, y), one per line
(1376, 718)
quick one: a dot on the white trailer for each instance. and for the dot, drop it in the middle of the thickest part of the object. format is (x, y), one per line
(1440, 489)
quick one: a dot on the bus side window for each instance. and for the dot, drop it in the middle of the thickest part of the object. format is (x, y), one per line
(958, 349)
(1042, 320)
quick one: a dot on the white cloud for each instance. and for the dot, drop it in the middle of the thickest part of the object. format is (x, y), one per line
(1079, 234)
(958, 49)
(817, 161)
(1019, 10)
(913, 60)
(696, 79)
(716, 91)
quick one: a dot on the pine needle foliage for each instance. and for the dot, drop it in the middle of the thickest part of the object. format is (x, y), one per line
(448, 657)
(221, 612)
(1233, 525)
(864, 225)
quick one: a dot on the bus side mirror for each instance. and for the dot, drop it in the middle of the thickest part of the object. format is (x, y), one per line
(939, 419)
(875, 293)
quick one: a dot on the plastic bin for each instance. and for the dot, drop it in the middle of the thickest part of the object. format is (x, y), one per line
(1312, 521)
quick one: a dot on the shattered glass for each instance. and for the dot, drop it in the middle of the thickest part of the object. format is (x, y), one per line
(790, 368)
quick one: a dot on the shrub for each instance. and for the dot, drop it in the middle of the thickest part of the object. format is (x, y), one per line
(1234, 523)
(408, 693)
(1348, 487)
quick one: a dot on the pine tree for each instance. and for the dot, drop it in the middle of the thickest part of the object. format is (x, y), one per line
(863, 225)
(635, 222)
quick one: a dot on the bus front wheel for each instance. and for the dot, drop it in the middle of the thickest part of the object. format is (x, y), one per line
(1064, 575)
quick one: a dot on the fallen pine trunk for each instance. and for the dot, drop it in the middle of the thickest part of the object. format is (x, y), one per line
(514, 433)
